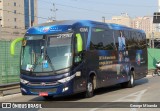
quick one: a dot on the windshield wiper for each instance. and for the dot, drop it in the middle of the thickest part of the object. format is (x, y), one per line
(49, 61)
(38, 60)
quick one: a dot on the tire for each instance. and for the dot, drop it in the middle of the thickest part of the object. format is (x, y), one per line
(90, 88)
(130, 83)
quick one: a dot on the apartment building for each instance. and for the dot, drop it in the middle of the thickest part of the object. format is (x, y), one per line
(123, 19)
(16, 17)
(145, 23)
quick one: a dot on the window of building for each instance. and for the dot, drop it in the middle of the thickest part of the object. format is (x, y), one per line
(14, 3)
(15, 11)
(15, 27)
(15, 19)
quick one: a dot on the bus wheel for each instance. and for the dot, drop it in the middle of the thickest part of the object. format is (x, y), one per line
(48, 97)
(130, 83)
(90, 88)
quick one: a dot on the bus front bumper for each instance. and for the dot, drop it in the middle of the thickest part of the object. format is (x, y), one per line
(55, 90)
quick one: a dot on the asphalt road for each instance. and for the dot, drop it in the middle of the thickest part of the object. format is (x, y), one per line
(146, 90)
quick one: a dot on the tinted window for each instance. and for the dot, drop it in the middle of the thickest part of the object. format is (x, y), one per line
(101, 39)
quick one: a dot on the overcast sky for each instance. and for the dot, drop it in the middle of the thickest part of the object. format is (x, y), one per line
(94, 9)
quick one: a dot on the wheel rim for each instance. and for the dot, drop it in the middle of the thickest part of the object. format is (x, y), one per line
(90, 87)
(132, 80)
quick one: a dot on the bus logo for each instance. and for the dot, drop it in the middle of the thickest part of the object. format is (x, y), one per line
(45, 29)
(83, 29)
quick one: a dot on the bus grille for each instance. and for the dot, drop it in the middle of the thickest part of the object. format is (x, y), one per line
(52, 90)
(40, 84)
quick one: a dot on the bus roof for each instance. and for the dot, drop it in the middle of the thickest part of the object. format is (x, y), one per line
(74, 23)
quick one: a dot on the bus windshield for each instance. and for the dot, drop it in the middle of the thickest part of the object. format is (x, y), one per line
(45, 55)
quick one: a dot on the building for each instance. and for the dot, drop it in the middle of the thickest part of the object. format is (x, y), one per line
(30, 12)
(17, 16)
(123, 19)
(145, 23)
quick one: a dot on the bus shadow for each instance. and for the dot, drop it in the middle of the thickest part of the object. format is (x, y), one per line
(99, 91)
(141, 81)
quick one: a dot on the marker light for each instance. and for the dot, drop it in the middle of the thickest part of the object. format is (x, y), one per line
(66, 79)
(24, 81)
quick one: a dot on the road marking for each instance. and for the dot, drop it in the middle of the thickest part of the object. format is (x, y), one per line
(128, 98)
(133, 97)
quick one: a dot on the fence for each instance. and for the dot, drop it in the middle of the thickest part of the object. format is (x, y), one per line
(9, 65)
(153, 57)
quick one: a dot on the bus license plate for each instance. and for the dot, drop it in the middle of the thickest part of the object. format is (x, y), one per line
(43, 93)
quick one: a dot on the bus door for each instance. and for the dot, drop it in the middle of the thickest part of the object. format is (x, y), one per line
(80, 40)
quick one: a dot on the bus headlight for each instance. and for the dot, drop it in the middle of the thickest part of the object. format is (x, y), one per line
(24, 81)
(66, 79)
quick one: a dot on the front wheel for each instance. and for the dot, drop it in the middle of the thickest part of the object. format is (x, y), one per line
(130, 83)
(90, 88)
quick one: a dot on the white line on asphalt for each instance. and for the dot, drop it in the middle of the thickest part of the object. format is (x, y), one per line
(137, 95)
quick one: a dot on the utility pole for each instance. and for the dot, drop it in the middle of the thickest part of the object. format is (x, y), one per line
(54, 12)
(158, 11)
(0, 26)
(103, 19)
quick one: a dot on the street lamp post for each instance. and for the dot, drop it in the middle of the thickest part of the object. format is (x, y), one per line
(159, 11)
(103, 19)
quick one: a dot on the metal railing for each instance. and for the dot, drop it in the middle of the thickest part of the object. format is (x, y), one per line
(9, 65)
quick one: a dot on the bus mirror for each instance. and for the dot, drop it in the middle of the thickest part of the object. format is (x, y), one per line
(13, 43)
(24, 42)
(79, 43)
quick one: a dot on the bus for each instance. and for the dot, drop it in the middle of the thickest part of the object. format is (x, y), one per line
(78, 56)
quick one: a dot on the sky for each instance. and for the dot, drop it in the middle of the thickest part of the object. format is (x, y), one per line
(94, 9)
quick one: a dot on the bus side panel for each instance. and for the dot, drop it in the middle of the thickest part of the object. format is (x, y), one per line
(140, 61)
(109, 71)
(80, 79)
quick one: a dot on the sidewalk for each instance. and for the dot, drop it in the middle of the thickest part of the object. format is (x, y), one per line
(11, 92)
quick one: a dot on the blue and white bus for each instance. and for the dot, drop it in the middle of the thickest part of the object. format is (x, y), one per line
(69, 57)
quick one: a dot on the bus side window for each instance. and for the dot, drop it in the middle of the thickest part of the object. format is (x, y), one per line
(144, 41)
(126, 35)
(101, 39)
